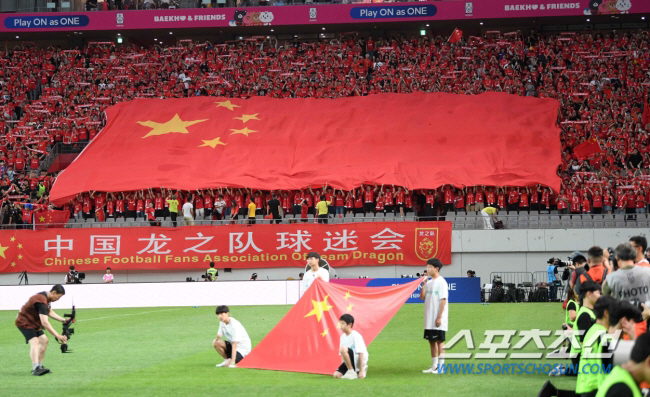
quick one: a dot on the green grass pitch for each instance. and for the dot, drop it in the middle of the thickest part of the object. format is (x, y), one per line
(168, 352)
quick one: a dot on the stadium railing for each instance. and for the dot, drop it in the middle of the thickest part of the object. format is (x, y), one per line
(460, 222)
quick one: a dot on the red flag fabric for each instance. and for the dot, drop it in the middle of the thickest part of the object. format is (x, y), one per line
(456, 35)
(307, 338)
(418, 140)
(50, 218)
(586, 149)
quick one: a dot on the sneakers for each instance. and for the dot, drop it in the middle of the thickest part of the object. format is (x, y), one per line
(430, 371)
(350, 375)
(40, 370)
(558, 370)
(225, 363)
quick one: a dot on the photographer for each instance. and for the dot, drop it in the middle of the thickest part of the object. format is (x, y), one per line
(640, 244)
(579, 267)
(31, 320)
(630, 282)
(625, 380)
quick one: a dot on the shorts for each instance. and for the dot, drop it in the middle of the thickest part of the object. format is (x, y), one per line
(434, 335)
(344, 368)
(238, 358)
(369, 207)
(31, 333)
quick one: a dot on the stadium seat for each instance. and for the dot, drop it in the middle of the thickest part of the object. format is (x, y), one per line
(554, 222)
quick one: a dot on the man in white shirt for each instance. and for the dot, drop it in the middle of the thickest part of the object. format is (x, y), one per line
(315, 271)
(435, 294)
(238, 344)
(188, 214)
(353, 351)
(219, 205)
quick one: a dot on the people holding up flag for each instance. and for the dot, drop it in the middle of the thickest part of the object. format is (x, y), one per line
(315, 271)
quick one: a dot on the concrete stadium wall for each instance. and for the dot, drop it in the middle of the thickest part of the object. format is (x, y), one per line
(483, 251)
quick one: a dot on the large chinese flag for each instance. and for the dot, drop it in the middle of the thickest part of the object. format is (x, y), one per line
(307, 338)
(415, 140)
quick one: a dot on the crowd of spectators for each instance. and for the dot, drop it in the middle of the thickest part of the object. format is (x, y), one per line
(52, 95)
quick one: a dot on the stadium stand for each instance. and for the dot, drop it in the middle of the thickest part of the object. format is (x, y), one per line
(53, 98)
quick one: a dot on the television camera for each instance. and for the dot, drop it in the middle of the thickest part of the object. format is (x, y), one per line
(68, 331)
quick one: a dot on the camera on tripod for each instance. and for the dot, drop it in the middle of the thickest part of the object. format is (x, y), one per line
(68, 331)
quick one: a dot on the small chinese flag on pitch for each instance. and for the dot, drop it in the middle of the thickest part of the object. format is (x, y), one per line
(307, 338)
(456, 35)
(51, 218)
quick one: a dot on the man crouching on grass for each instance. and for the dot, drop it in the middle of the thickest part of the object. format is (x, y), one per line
(31, 320)
(238, 344)
(352, 350)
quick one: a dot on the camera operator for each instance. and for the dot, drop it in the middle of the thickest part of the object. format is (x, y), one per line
(31, 320)
(471, 273)
(553, 281)
(640, 244)
(211, 274)
(71, 276)
(630, 282)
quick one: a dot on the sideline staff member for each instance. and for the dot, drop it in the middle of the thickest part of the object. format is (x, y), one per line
(31, 320)
(212, 273)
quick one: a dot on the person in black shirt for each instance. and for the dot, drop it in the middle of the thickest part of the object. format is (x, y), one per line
(273, 208)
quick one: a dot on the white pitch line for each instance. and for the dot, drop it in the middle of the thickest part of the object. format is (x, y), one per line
(130, 314)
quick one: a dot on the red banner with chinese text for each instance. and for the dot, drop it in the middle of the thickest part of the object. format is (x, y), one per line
(237, 246)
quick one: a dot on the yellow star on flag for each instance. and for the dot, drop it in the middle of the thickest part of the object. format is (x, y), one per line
(246, 117)
(173, 125)
(244, 131)
(20, 256)
(42, 219)
(20, 246)
(212, 143)
(13, 239)
(349, 309)
(347, 295)
(3, 249)
(319, 308)
(324, 333)
(13, 264)
(227, 105)
(338, 325)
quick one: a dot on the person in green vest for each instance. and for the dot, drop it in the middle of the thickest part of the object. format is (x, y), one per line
(212, 273)
(570, 315)
(41, 189)
(625, 380)
(585, 318)
(572, 307)
(588, 377)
